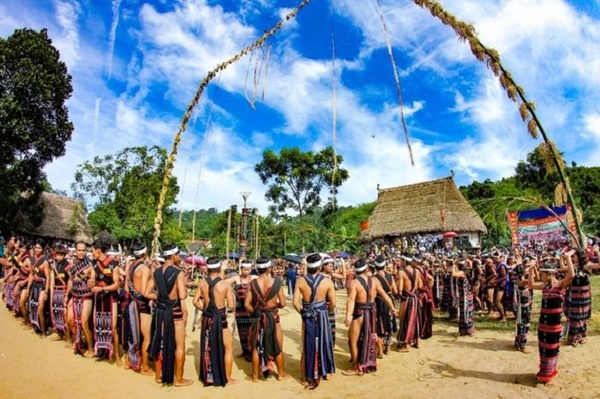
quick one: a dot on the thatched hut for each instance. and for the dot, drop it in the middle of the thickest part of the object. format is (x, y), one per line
(64, 218)
(433, 207)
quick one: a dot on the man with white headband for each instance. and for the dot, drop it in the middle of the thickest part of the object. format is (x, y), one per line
(312, 294)
(216, 340)
(409, 284)
(386, 321)
(360, 320)
(264, 298)
(137, 317)
(169, 319)
(327, 266)
(243, 319)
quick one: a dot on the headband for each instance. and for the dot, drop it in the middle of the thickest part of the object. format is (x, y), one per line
(140, 251)
(263, 265)
(170, 252)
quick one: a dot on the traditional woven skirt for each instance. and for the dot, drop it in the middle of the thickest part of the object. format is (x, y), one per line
(523, 317)
(578, 306)
(34, 299)
(466, 325)
(103, 323)
(57, 313)
(549, 333)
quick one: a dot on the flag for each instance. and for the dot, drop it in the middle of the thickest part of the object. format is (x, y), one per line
(364, 225)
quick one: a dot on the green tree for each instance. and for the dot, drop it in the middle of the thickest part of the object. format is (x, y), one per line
(295, 178)
(34, 121)
(124, 188)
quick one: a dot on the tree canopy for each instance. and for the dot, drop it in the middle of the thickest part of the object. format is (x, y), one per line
(34, 121)
(123, 189)
(295, 178)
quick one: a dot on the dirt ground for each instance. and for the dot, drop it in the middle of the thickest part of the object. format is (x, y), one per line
(445, 366)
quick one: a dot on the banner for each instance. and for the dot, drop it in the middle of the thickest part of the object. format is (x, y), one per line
(540, 226)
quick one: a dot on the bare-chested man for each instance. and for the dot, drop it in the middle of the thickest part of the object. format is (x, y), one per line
(314, 296)
(264, 298)
(408, 285)
(361, 319)
(169, 319)
(216, 340)
(386, 321)
(138, 317)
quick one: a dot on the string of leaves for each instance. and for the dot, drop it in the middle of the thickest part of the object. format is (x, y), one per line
(397, 80)
(491, 57)
(188, 112)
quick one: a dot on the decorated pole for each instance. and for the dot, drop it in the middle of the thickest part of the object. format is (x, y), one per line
(491, 57)
(190, 108)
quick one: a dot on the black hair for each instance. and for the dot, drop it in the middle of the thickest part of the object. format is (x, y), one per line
(101, 244)
(169, 247)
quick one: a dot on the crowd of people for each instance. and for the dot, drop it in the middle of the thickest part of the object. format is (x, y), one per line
(104, 303)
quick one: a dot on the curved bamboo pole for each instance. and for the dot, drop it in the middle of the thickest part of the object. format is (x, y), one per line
(491, 57)
(188, 112)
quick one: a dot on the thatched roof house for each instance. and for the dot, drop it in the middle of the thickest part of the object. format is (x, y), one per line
(431, 207)
(64, 218)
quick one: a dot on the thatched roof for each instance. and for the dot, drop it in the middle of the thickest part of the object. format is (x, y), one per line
(60, 221)
(418, 208)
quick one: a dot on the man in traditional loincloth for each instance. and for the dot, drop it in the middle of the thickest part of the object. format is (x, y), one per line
(138, 317)
(243, 319)
(409, 284)
(361, 320)
(216, 340)
(167, 348)
(264, 298)
(386, 321)
(313, 297)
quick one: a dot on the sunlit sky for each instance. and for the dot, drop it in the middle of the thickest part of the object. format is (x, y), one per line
(137, 64)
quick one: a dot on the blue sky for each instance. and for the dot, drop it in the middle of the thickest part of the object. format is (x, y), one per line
(136, 65)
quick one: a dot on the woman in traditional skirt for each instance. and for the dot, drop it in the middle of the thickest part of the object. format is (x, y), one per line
(524, 302)
(466, 326)
(549, 328)
(578, 302)
(58, 287)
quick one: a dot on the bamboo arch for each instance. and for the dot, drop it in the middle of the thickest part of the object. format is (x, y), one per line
(464, 31)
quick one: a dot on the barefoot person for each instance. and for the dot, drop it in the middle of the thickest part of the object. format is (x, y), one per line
(216, 340)
(138, 318)
(264, 298)
(360, 320)
(312, 296)
(39, 288)
(243, 319)
(79, 310)
(466, 326)
(167, 348)
(386, 321)
(58, 293)
(524, 305)
(408, 285)
(549, 329)
(107, 283)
